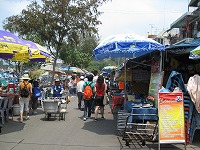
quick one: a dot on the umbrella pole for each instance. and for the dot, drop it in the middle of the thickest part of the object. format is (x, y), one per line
(125, 93)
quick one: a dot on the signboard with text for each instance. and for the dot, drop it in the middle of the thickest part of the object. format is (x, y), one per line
(171, 117)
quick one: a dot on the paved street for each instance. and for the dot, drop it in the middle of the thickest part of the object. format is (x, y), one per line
(71, 134)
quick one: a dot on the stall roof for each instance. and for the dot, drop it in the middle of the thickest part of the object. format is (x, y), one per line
(185, 46)
(182, 21)
(193, 3)
(180, 51)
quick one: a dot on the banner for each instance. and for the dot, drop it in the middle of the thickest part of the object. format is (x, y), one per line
(171, 117)
(154, 86)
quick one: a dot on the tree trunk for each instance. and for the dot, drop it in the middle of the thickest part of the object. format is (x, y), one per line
(53, 72)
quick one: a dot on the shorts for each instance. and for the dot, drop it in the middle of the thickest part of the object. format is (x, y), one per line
(98, 101)
(24, 103)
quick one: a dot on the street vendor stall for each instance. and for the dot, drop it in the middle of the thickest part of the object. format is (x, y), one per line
(134, 47)
(181, 64)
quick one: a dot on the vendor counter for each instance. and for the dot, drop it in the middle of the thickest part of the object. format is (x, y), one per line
(130, 104)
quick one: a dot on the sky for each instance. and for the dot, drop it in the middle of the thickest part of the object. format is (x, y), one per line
(142, 17)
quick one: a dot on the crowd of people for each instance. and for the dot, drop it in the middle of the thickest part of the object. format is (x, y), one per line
(91, 91)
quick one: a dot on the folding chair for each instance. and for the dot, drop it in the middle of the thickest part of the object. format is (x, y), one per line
(3, 109)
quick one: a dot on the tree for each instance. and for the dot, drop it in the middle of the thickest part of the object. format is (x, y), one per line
(98, 65)
(57, 22)
(79, 55)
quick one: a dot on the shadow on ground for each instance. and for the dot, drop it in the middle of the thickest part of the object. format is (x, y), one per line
(12, 126)
(101, 127)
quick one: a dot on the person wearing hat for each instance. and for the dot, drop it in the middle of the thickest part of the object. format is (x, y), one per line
(57, 89)
(25, 92)
(79, 91)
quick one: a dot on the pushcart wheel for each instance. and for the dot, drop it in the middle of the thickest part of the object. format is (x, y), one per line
(143, 143)
(48, 116)
(127, 142)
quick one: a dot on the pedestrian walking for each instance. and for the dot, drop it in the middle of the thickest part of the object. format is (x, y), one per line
(73, 86)
(79, 91)
(99, 97)
(96, 75)
(36, 94)
(25, 92)
(88, 93)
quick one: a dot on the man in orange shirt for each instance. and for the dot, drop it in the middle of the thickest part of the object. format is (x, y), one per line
(25, 91)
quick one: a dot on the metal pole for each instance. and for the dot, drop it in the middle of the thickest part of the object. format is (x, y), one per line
(125, 93)
(125, 78)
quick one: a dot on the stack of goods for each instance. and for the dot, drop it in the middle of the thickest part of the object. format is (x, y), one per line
(188, 108)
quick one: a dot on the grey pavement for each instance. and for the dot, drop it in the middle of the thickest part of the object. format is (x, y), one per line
(72, 134)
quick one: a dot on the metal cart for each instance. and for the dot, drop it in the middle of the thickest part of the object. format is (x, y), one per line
(55, 106)
(141, 128)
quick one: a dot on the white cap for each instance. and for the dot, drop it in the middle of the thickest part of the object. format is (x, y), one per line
(82, 77)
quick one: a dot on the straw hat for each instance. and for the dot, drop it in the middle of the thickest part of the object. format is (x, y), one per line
(25, 77)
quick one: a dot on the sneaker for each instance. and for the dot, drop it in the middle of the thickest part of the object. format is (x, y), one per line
(102, 117)
(95, 120)
(34, 112)
(21, 120)
(27, 118)
(84, 119)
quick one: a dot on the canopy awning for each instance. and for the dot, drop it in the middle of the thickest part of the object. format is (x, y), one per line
(183, 47)
(193, 3)
(182, 21)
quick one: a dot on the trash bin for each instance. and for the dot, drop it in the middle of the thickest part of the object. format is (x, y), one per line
(16, 109)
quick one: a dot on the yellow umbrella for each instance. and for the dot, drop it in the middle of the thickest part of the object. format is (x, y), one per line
(41, 54)
(9, 44)
(34, 53)
(22, 56)
(195, 53)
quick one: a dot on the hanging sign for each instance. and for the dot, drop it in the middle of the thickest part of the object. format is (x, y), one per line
(171, 117)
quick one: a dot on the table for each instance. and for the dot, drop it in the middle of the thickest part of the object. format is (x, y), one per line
(16, 97)
(131, 104)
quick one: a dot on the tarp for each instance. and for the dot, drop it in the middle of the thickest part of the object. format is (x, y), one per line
(183, 47)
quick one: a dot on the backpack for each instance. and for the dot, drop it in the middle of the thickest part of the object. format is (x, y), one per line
(87, 94)
(25, 91)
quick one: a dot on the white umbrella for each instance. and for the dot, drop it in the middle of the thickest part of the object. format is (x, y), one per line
(50, 68)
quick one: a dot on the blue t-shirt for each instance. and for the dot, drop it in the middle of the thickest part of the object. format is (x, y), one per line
(57, 90)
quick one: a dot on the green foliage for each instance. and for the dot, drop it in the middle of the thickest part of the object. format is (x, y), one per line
(57, 21)
(98, 65)
(61, 25)
(79, 55)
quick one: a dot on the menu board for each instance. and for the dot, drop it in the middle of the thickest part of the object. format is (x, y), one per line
(171, 117)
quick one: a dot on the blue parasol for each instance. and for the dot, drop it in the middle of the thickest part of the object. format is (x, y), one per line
(72, 69)
(126, 45)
